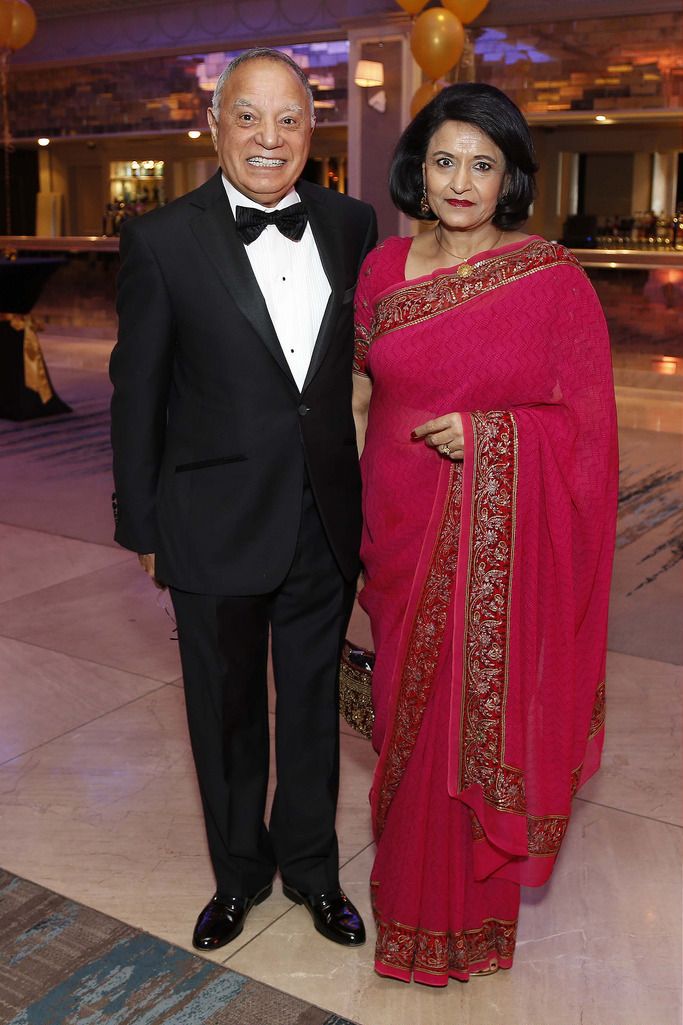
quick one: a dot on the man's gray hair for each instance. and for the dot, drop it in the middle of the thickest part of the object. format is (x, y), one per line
(260, 53)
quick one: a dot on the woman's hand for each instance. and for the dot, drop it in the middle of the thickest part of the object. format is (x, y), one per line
(444, 434)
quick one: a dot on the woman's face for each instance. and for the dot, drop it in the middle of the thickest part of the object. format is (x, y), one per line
(464, 172)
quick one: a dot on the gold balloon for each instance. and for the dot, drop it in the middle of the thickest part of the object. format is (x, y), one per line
(426, 92)
(412, 6)
(437, 41)
(17, 24)
(466, 10)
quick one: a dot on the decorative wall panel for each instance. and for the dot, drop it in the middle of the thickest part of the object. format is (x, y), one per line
(630, 63)
(153, 94)
(599, 64)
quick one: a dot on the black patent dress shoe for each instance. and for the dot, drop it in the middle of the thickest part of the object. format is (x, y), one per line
(223, 919)
(333, 914)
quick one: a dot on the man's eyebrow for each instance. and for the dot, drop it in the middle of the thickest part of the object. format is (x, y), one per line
(243, 102)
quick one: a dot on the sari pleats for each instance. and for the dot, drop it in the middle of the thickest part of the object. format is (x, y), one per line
(434, 919)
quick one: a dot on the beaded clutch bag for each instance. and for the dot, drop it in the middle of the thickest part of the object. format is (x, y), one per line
(355, 681)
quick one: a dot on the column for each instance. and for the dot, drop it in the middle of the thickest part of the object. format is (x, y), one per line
(373, 132)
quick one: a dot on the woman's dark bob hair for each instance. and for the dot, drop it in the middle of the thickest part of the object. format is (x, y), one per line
(493, 113)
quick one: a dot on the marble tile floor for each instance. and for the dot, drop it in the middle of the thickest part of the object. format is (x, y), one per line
(647, 584)
(56, 471)
(98, 801)
(98, 798)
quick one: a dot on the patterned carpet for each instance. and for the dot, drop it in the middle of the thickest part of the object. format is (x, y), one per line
(64, 964)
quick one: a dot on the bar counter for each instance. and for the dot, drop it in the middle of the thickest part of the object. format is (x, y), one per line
(630, 259)
(59, 243)
(621, 258)
(641, 290)
(640, 259)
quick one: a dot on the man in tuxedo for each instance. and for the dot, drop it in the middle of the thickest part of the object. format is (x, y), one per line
(237, 480)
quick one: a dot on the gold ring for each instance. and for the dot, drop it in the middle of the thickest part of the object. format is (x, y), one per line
(445, 450)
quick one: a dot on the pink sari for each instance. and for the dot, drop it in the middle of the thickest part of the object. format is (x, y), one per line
(487, 585)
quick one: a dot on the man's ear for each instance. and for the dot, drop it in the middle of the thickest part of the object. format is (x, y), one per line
(213, 126)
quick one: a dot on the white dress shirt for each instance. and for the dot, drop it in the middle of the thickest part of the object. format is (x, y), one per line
(292, 282)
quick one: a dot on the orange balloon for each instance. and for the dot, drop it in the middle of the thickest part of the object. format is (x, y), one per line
(466, 10)
(426, 92)
(411, 6)
(437, 41)
(17, 24)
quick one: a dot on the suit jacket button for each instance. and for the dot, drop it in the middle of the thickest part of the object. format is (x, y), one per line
(302, 410)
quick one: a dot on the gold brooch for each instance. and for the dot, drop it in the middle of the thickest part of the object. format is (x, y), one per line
(464, 270)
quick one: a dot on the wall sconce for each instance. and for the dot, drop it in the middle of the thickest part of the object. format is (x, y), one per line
(369, 73)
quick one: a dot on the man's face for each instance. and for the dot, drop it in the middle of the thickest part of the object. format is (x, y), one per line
(263, 132)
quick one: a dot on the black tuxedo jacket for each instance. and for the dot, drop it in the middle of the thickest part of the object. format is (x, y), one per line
(209, 430)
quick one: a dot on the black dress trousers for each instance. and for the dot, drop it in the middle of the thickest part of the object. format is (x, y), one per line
(224, 651)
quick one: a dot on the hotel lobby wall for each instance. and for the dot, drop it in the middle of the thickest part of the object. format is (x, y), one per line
(379, 131)
(373, 132)
(628, 65)
(80, 172)
(554, 144)
(153, 91)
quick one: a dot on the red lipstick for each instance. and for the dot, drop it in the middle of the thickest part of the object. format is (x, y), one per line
(459, 202)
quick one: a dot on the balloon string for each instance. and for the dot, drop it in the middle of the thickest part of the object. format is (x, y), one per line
(6, 139)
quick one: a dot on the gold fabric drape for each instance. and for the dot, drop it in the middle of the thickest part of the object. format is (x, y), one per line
(35, 371)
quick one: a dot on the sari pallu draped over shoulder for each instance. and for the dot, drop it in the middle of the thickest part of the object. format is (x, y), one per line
(511, 572)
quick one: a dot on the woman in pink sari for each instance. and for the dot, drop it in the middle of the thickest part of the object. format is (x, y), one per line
(489, 467)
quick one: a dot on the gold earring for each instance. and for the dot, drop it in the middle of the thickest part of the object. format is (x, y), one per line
(425, 208)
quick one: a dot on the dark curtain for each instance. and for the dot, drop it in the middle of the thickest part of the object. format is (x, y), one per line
(23, 165)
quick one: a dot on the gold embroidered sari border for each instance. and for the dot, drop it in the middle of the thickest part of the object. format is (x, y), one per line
(413, 949)
(488, 596)
(444, 292)
(546, 832)
(599, 707)
(423, 649)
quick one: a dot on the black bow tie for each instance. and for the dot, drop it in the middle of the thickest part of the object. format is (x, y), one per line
(291, 221)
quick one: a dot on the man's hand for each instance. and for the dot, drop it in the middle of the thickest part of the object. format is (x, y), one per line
(444, 434)
(148, 564)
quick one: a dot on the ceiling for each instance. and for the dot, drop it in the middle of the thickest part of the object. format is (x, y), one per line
(506, 10)
(59, 8)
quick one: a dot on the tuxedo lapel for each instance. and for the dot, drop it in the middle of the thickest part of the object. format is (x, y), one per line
(329, 239)
(214, 229)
